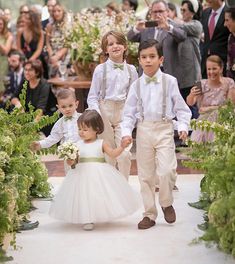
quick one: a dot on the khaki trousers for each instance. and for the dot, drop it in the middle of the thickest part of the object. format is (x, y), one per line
(111, 112)
(155, 155)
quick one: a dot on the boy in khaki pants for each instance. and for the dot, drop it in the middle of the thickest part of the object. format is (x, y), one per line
(153, 101)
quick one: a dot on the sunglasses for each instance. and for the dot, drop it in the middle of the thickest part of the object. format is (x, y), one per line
(183, 10)
(24, 12)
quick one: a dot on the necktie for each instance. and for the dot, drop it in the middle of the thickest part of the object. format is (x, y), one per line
(151, 79)
(118, 66)
(15, 82)
(66, 118)
(212, 24)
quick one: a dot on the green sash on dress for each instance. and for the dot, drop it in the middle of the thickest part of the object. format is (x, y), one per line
(92, 159)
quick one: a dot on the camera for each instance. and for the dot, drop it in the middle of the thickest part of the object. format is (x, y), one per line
(198, 84)
(151, 23)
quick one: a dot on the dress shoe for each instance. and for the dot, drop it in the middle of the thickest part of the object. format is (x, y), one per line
(146, 223)
(169, 214)
(88, 226)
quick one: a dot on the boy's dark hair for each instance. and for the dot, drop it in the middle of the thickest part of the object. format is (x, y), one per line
(65, 93)
(91, 118)
(150, 43)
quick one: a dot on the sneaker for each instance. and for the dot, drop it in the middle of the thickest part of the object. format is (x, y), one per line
(88, 226)
(146, 223)
(169, 214)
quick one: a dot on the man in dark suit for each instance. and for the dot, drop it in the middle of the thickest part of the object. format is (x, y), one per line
(167, 33)
(16, 72)
(50, 4)
(215, 40)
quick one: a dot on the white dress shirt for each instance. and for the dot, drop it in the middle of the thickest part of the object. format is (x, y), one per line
(152, 95)
(63, 130)
(117, 83)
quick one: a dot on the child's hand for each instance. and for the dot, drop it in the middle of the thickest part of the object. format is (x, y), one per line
(183, 135)
(35, 146)
(126, 141)
(70, 162)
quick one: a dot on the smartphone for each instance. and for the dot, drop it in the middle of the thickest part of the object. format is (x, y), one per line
(198, 84)
(151, 23)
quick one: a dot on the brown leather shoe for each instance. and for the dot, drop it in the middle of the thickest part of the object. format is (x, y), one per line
(156, 189)
(169, 214)
(146, 223)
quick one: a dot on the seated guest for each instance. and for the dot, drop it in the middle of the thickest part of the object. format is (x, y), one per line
(57, 52)
(38, 91)
(15, 75)
(212, 94)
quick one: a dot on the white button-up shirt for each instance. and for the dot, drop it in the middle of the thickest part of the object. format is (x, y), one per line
(117, 83)
(63, 130)
(152, 97)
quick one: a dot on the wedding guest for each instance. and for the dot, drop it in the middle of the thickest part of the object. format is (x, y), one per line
(38, 92)
(129, 5)
(172, 13)
(6, 41)
(212, 94)
(215, 33)
(50, 4)
(188, 50)
(109, 88)
(57, 52)
(229, 22)
(15, 75)
(166, 32)
(152, 102)
(30, 39)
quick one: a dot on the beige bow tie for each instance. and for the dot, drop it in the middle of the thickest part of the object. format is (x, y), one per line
(151, 79)
(66, 118)
(118, 66)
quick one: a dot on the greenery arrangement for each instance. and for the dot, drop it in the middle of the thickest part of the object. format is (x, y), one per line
(217, 160)
(84, 35)
(22, 175)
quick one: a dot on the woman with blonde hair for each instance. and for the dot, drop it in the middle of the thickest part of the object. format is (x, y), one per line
(56, 49)
(6, 40)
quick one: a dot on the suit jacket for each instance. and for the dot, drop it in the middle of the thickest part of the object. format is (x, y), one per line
(13, 87)
(169, 42)
(217, 45)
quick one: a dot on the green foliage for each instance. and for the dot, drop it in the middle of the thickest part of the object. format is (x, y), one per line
(22, 175)
(217, 160)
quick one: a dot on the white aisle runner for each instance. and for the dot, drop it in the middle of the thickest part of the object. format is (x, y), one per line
(120, 242)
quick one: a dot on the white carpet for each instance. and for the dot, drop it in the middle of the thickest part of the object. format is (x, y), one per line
(120, 242)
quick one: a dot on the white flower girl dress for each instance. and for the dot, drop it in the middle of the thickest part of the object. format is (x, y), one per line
(94, 191)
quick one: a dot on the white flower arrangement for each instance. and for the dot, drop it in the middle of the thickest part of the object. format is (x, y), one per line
(68, 150)
(84, 35)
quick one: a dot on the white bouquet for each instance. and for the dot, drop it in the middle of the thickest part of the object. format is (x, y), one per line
(67, 151)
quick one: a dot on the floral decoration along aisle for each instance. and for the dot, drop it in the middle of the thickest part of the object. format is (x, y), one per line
(217, 160)
(83, 37)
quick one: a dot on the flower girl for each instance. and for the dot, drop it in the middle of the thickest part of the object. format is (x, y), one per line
(94, 191)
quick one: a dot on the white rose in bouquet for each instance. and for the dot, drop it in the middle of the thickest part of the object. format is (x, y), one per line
(69, 151)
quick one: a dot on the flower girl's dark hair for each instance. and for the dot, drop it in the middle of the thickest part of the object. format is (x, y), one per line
(91, 118)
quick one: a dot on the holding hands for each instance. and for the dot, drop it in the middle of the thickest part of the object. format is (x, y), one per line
(126, 141)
